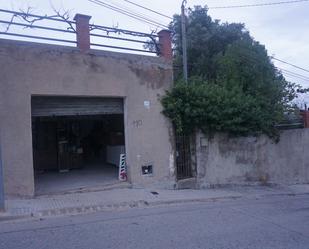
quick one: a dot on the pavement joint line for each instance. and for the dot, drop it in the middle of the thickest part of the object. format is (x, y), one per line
(112, 206)
(36, 212)
(123, 185)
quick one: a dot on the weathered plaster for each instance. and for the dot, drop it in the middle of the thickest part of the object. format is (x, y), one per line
(246, 160)
(37, 69)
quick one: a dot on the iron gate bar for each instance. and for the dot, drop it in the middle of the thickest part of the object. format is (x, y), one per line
(36, 16)
(183, 160)
(37, 37)
(132, 49)
(37, 27)
(125, 31)
(91, 28)
(119, 38)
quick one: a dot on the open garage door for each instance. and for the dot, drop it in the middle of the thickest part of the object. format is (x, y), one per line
(77, 142)
(46, 106)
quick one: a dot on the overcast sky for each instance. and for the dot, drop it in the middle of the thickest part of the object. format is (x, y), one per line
(283, 29)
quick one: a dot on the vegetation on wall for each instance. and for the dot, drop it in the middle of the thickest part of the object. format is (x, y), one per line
(233, 86)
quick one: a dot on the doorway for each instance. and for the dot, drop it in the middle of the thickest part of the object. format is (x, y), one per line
(74, 152)
(183, 157)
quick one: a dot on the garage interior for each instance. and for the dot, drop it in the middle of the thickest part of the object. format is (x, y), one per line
(77, 142)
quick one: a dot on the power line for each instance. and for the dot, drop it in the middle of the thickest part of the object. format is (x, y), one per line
(295, 78)
(155, 23)
(257, 5)
(296, 74)
(127, 13)
(293, 74)
(287, 72)
(143, 7)
(304, 77)
(288, 63)
(125, 8)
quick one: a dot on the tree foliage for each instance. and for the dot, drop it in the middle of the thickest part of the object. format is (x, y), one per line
(234, 87)
(216, 108)
(206, 39)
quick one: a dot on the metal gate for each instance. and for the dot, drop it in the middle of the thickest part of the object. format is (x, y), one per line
(183, 157)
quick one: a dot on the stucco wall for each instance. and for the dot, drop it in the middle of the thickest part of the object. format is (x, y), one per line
(224, 160)
(35, 69)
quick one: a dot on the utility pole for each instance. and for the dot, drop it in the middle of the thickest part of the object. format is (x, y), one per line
(184, 41)
(2, 206)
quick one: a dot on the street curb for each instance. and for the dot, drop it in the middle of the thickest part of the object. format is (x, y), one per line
(88, 209)
(110, 207)
(121, 206)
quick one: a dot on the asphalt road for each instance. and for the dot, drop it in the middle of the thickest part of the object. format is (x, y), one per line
(277, 222)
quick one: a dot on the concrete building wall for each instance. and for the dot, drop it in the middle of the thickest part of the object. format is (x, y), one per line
(222, 160)
(29, 69)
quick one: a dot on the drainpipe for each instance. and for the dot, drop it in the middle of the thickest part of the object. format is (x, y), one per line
(2, 206)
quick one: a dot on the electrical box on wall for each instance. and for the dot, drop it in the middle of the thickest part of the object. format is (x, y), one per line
(147, 170)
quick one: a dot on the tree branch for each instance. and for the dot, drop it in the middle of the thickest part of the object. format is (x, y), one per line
(26, 16)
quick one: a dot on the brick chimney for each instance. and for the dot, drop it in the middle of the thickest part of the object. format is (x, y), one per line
(82, 32)
(165, 43)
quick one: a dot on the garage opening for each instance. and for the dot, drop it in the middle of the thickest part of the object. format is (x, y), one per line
(77, 142)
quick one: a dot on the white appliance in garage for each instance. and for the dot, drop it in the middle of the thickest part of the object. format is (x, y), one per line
(113, 153)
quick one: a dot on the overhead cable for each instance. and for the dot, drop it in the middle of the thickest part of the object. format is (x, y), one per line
(288, 63)
(287, 75)
(124, 7)
(153, 11)
(291, 73)
(303, 77)
(257, 5)
(127, 13)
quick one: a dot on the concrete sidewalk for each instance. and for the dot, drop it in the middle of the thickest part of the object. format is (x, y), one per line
(77, 203)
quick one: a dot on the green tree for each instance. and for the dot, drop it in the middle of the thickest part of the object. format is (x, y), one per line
(233, 86)
(206, 38)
